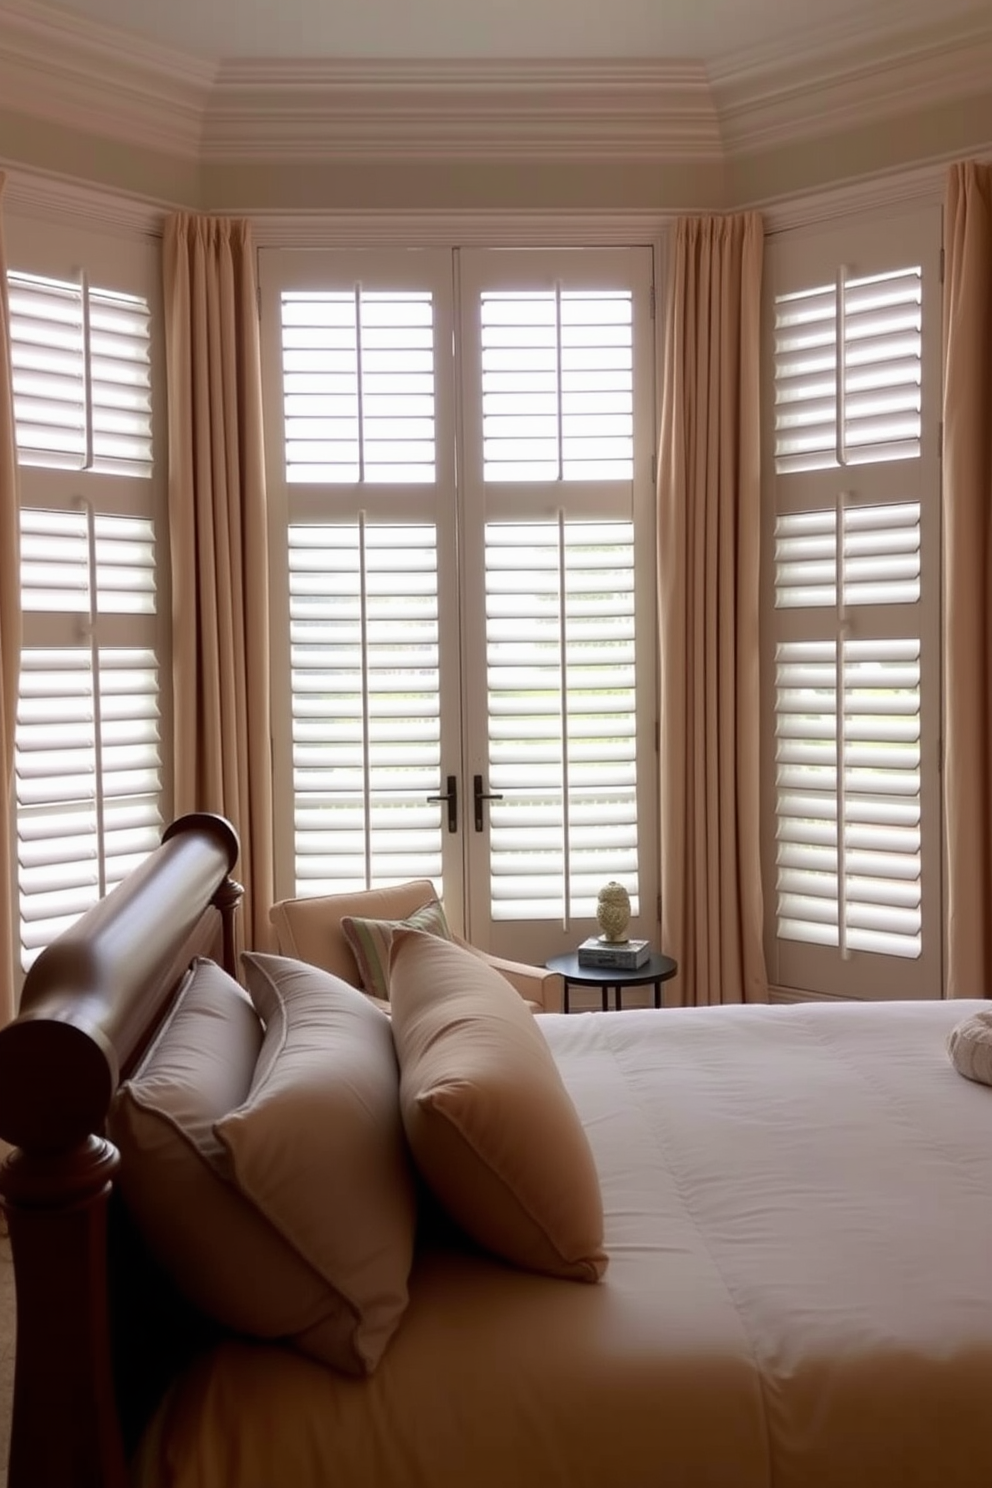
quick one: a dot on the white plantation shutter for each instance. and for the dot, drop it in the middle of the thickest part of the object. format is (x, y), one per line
(854, 855)
(562, 716)
(88, 759)
(867, 406)
(559, 432)
(557, 385)
(358, 385)
(365, 704)
(848, 807)
(82, 376)
(458, 441)
(91, 764)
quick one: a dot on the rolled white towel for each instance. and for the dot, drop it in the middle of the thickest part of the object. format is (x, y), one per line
(969, 1044)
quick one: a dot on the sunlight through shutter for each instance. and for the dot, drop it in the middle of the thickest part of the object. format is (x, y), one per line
(849, 803)
(876, 391)
(562, 715)
(557, 385)
(358, 385)
(81, 366)
(366, 704)
(88, 749)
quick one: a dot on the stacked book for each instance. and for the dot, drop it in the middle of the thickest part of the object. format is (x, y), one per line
(620, 955)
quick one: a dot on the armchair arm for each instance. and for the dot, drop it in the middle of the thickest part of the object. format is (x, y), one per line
(535, 985)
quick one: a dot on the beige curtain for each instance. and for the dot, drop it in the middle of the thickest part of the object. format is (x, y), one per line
(967, 587)
(219, 551)
(708, 548)
(10, 643)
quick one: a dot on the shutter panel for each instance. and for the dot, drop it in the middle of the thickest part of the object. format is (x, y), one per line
(358, 385)
(878, 323)
(366, 704)
(562, 715)
(557, 385)
(881, 556)
(849, 796)
(88, 776)
(81, 366)
(88, 758)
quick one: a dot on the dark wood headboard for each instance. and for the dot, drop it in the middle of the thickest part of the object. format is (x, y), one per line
(91, 1002)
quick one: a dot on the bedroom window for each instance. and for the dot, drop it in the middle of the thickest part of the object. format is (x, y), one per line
(468, 530)
(852, 682)
(89, 756)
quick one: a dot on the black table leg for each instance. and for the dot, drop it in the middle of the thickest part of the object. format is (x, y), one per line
(606, 997)
(657, 994)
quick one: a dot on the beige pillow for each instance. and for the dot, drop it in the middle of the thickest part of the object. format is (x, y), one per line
(318, 1147)
(970, 1047)
(220, 1252)
(370, 941)
(491, 1126)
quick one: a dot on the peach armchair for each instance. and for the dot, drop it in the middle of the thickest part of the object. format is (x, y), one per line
(309, 929)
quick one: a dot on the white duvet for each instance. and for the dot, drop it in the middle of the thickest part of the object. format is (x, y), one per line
(799, 1220)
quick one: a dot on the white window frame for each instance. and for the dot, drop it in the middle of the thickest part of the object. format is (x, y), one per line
(284, 498)
(128, 263)
(802, 259)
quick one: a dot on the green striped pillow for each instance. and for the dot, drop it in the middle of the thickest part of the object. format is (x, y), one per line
(370, 941)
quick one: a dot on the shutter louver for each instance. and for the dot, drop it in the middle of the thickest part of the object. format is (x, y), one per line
(557, 385)
(358, 386)
(88, 776)
(88, 757)
(81, 367)
(881, 559)
(849, 810)
(877, 322)
(366, 704)
(562, 715)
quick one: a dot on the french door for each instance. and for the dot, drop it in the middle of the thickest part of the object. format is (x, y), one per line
(459, 450)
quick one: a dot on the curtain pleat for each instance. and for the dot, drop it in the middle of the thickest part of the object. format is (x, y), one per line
(967, 578)
(217, 519)
(10, 641)
(709, 489)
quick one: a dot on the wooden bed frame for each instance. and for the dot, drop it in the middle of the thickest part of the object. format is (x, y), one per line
(98, 1333)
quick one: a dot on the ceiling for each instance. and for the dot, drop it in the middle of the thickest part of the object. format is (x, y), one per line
(709, 31)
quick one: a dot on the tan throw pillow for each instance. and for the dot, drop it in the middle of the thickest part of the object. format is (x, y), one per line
(318, 1147)
(970, 1047)
(370, 941)
(221, 1253)
(491, 1126)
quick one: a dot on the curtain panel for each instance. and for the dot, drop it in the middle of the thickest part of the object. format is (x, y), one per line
(967, 578)
(10, 642)
(709, 491)
(218, 530)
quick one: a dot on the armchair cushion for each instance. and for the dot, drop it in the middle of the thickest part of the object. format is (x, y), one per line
(370, 941)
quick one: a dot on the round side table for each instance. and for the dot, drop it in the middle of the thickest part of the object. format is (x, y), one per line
(656, 969)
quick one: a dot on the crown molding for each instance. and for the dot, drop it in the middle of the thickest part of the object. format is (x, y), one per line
(102, 82)
(98, 79)
(335, 111)
(482, 228)
(924, 185)
(768, 99)
(55, 199)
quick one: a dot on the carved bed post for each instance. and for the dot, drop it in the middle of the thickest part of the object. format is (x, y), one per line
(65, 1427)
(90, 1004)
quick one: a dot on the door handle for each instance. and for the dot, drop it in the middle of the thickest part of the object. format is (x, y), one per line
(451, 796)
(479, 795)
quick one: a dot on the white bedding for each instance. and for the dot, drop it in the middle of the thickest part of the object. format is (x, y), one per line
(799, 1220)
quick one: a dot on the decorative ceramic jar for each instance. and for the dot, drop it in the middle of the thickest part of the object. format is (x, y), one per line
(613, 913)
